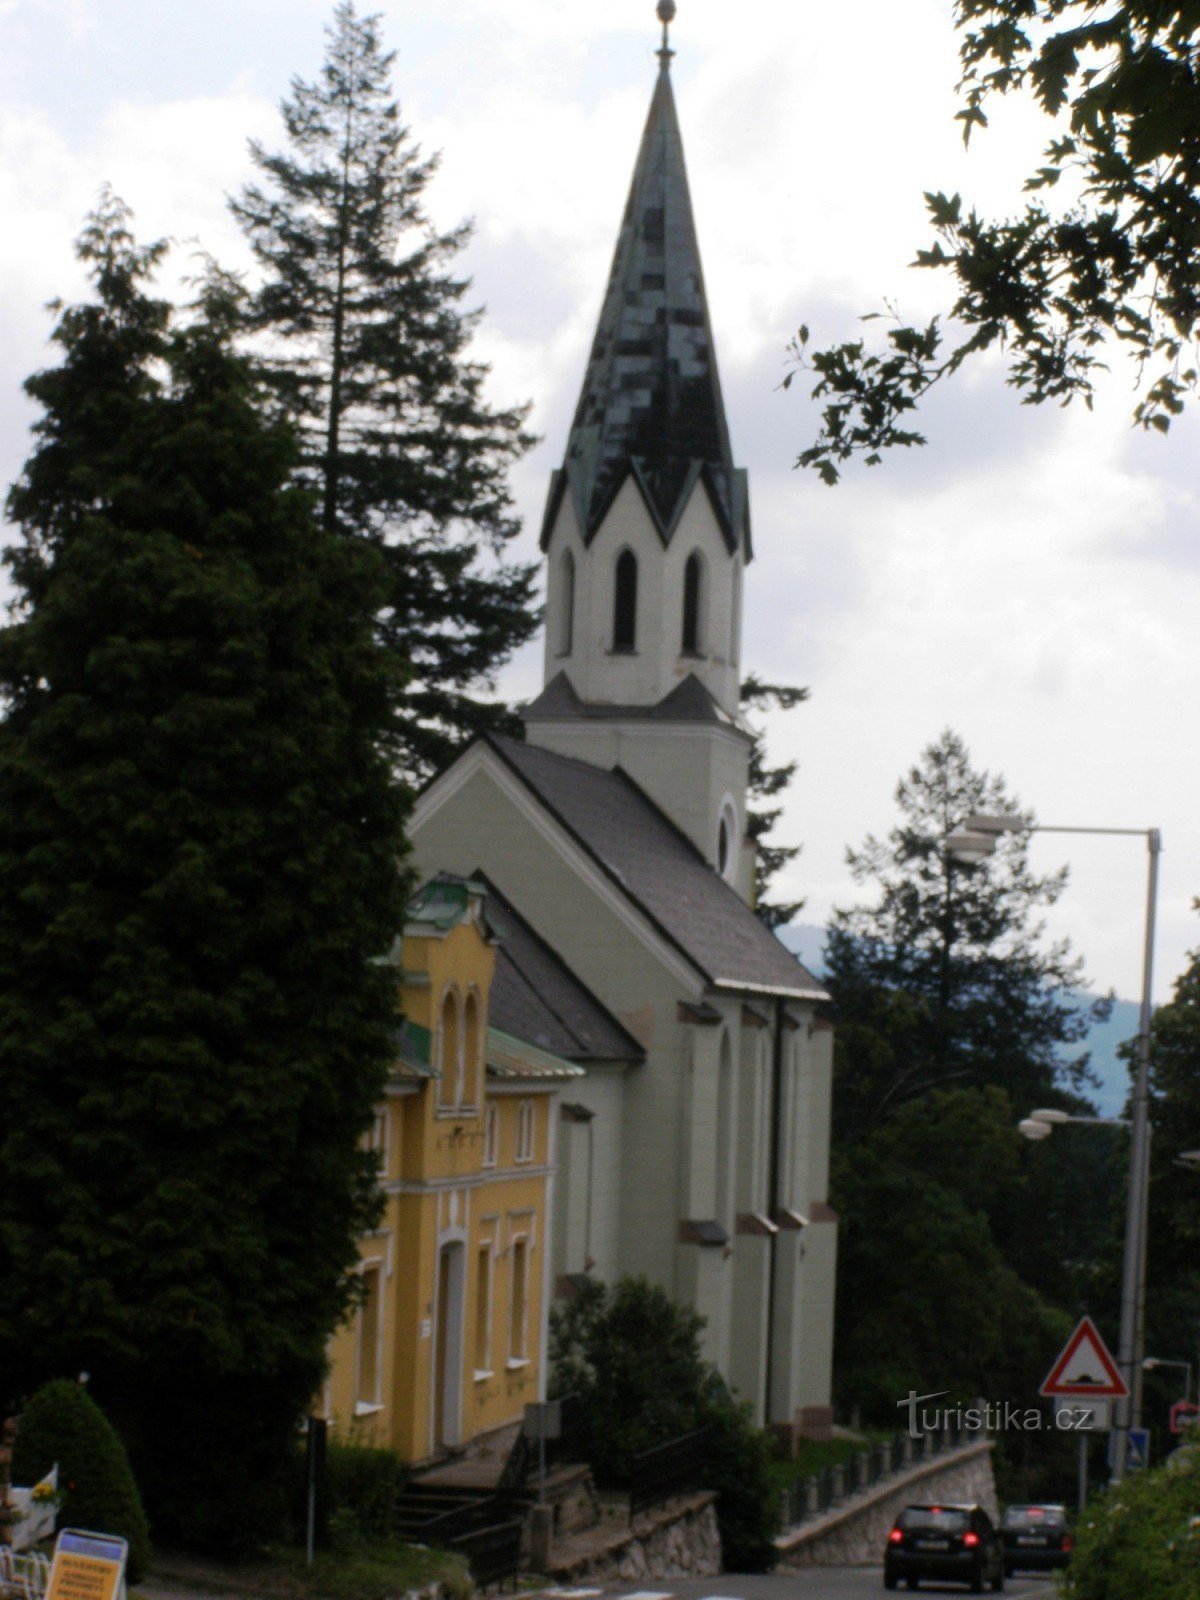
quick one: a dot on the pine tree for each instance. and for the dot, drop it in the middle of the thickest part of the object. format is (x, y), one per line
(945, 979)
(199, 869)
(370, 340)
(766, 783)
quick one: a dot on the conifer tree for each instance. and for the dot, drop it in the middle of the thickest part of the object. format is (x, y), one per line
(766, 784)
(945, 979)
(199, 870)
(370, 345)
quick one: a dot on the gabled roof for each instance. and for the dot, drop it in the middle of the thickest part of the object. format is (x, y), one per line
(535, 996)
(651, 405)
(659, 870)
(688, 701)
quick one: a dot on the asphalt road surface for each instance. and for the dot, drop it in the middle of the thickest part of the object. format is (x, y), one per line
(809, 1583)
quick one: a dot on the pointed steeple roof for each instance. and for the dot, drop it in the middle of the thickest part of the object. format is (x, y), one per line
(651, 402)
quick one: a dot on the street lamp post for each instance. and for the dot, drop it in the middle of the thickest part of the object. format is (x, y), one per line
(1151, 1362)
(977, 840)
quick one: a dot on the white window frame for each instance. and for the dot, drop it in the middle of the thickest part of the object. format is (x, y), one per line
(487, 1243)
(526, 1131)
(363, 1406)
(518, 1337)
(491, 1135)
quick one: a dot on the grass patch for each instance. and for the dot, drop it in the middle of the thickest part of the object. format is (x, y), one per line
(353, 1570)
(375, 1571)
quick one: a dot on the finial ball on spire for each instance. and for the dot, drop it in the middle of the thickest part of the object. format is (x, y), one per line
(666, 12)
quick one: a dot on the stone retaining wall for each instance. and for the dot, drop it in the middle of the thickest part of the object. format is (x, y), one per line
(678, 1540)
(855, 1532)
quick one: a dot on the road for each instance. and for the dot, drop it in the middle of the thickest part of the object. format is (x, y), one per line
(808, 1583)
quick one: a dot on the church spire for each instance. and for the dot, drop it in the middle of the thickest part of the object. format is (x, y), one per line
(651, 401)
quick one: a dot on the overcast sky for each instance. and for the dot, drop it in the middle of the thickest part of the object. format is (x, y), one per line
(1031, 578)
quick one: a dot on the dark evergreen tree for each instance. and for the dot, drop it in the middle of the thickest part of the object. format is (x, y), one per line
(369, 342)
(200, 867)
(945, 979)
(767, 783)
(63, 1426)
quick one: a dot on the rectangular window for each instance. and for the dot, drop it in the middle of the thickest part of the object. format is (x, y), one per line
(483, 1310)
(370, 1339)
(525, 1129)
(491, 1135)
(377, 1140)
(519, 1308)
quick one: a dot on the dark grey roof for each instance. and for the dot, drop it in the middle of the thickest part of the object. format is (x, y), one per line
(651, 401)
(688, 701)
(536, 997)
(659, 869)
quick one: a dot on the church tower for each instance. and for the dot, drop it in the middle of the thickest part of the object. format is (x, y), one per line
(647, 530)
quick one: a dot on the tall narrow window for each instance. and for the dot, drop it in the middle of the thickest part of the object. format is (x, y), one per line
(625, 602)
(566, 633)
(491, 1135)
(472, 1041)
(525, 1130)
(370, 1338)
(519, 1306)
(449, 1046)
(483, 1309)
(693, 574)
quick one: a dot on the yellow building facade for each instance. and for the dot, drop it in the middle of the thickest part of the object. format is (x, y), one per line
(448, 1342)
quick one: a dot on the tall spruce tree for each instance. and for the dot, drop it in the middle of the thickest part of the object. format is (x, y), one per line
(767, 783)
(370, 355)
(944, 979)
(200, 865)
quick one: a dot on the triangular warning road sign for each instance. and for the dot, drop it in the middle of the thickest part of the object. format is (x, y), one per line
(1085, 1367)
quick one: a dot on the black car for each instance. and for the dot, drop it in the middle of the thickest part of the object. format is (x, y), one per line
(948, 1543)
(1035, 1537)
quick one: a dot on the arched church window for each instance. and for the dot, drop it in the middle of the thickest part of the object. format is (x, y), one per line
(566, 636)
(693, 588)
(726, 852)
(625, 602)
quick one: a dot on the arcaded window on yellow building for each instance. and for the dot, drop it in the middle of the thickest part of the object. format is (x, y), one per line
(377, 1140)
(472, 1053)
(368, 1395)
(449, 1046)
(519, 1307)
(525, 1127)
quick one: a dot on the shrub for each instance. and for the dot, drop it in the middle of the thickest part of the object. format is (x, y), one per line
(363, 1485)
(632, 1358)
(62, 1423)
(1143, 1538)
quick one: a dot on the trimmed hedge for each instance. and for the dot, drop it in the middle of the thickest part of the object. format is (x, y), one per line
(62, 1423)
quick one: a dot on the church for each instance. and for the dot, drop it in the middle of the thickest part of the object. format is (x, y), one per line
(612, 845)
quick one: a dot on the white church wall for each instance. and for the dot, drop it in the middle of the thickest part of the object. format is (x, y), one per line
(483, 823)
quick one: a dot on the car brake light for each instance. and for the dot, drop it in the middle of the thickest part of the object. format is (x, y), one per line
(971, 1539)
(896, 1536)
(1066, 1544)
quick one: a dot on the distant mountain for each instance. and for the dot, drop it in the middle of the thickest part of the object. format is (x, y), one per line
(807, 940)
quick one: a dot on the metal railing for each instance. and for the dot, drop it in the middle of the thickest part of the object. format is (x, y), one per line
(493, 1553)
(669, 1469)
(883, 1458)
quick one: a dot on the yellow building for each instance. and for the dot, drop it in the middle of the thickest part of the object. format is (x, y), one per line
(449, 1339)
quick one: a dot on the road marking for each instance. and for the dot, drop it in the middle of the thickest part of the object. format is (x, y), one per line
(649, 1594)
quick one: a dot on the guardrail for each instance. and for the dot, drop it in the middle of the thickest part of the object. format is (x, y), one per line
(883, 1458)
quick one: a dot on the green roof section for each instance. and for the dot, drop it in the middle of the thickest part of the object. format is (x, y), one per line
(514, 1059)
(443, 902)
(414, 1051)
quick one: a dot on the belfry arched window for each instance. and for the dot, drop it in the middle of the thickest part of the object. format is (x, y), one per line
(693, 592)
(624, 635)
(566, 628)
